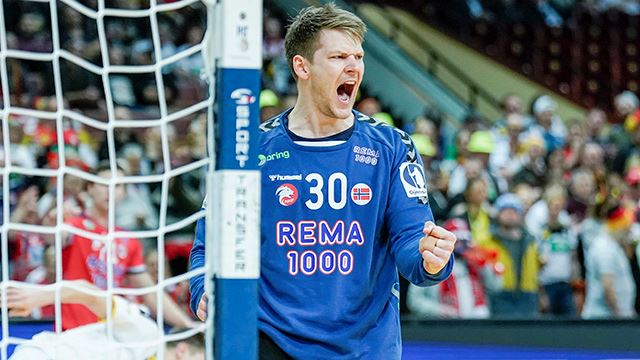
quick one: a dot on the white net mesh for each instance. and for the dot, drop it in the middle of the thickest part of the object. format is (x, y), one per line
(89, 81)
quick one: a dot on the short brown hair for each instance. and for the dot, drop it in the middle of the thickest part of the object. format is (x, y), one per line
(304, 31)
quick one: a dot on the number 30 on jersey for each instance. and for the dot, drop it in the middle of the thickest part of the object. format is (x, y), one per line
(336, 191)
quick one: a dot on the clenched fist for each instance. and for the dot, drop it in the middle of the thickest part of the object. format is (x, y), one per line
(202, 308)
(436, 247)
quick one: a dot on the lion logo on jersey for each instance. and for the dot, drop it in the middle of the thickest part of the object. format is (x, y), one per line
(287, 194)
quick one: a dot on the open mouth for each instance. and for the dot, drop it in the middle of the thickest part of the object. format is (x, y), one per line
(345, 90)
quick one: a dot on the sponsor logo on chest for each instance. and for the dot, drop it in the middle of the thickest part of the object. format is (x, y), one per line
(366, 155)
(263, 159)
(278, 177)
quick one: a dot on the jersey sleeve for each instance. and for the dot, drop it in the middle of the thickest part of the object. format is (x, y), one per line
(197, 259)
(407, 210)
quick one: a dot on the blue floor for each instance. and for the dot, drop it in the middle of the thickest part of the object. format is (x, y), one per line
(425, 350)
(440, 351)
(26, 330)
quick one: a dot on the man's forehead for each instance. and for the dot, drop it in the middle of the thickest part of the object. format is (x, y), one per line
(338, 41)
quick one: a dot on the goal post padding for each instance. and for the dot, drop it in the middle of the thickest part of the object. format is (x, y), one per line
(235, 189)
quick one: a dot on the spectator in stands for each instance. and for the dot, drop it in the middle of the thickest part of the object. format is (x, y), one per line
(547, 124)
(24, 151)
(592, 160)
(557, 252)
(79, 36)
(273, 41)
(480, 146)
(122, 136)
(82, 88)
(627, 140)
(504, 159)
(474, 209)
(461, 174)
(32, 34)
(597, 129)
(26, 249)
(527, 193)
(369, 106)
(533, 167)
(456, 153)
(610, 286)
(166, 28)
(274, 62)
(516, 249)
(538, 216)
(429, 125)
(574, 146)
(582, 194)
(192, 65)
(510, 104)
(122, 87)
(136, 210)
(463, 294)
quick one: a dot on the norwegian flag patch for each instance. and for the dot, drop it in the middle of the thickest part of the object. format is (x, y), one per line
(361, 194)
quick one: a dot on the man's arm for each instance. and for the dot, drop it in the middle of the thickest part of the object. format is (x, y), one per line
(21, 301)
(421, 250)
(198, 301)
(173, 315)
(130, 326)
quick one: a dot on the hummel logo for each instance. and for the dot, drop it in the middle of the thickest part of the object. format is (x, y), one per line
(279, 177)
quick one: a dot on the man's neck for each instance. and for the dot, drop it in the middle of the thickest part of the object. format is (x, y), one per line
(99, 217)
(307, 121)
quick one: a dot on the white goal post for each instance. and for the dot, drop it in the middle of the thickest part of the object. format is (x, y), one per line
(231, 52)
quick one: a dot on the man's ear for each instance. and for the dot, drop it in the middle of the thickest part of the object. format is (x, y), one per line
(300, 67)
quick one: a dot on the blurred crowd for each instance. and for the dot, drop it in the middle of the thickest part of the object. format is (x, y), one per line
(545, 209)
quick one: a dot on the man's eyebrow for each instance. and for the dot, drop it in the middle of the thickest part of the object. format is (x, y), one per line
(345, 52)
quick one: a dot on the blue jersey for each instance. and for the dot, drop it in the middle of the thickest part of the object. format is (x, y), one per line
(338, 219)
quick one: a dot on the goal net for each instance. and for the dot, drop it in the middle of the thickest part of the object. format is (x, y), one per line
(133, 90)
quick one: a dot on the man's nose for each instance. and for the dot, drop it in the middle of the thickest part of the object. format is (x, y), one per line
(352, 63)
